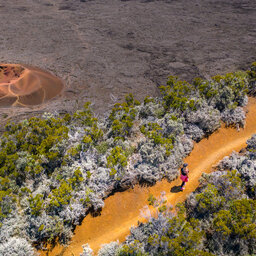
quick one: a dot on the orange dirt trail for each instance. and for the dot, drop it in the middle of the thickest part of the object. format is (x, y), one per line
(122, 210)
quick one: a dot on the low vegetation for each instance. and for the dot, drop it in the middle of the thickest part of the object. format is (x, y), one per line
(219, 218)
(55, 168)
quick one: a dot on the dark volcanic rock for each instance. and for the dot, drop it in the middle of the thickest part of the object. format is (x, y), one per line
(104, 49)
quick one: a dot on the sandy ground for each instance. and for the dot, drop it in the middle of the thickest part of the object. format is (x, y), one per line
(26, 86)
(122, 210)
(104, 49)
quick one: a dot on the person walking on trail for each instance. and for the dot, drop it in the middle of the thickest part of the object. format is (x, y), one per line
(184, 175)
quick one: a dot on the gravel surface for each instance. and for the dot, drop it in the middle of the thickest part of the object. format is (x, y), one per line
(104, 49)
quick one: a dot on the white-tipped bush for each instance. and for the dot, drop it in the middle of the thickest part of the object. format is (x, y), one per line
(87, 251)
(194, 132)
(206, 118)
(16, 247)
(234, 117)
(251, 144)
(152, 154)
(110, 249)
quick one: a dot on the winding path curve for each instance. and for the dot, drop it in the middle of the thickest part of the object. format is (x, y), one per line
(122, 210)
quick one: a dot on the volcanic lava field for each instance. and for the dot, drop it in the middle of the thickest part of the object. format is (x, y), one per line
(104, 49)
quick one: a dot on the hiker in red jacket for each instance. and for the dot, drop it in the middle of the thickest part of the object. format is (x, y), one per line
(184, 175)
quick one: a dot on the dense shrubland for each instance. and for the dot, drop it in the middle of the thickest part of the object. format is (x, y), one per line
(55, 168)
(219, 218)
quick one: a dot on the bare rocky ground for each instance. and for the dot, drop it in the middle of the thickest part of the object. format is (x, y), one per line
(104, 49)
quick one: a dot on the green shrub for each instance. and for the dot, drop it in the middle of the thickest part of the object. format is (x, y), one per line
(238, 220)
(148, 100)
(102, 147)
(154, 132)
(61, 196)
(117, 159)
(36, 204)
(85, 117)
(178, 94)
(209, 200)
(76, 179)
(133, 249)
(6, 203)
(122, 116)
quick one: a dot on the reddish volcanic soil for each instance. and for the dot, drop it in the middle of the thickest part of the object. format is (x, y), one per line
(26, 86)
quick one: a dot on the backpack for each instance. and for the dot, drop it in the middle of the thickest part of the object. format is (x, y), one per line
(184, 172)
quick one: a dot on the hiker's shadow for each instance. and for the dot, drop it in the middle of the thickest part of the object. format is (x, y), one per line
(175, 189)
